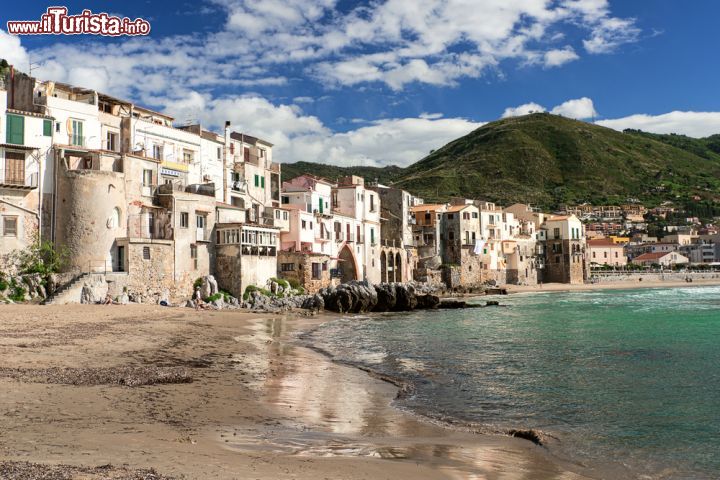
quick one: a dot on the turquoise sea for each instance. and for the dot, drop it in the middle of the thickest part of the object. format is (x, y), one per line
(626, 378)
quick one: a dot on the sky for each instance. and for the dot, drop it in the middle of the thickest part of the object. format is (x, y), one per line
(384, 82)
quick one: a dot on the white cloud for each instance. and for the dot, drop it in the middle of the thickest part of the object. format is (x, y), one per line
(398, 141)
(693, 124)
(12, 51)
(524, 109)
(303, 100)
(557, 58)
(579, 108)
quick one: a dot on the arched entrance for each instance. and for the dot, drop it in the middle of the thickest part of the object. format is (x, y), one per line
(398, 268)
(383, 268)
(347, 264)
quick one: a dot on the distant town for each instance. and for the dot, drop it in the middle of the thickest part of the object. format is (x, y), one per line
(152, 206)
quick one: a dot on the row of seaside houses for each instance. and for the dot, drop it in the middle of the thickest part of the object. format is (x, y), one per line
(150, 206)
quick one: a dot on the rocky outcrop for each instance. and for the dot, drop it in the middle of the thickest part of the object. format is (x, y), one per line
(361, 297)
(351, 297)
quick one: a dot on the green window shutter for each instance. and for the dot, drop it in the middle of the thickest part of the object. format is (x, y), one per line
(15, 129)
(321, 205)
(257, 181)
(47, 128)
(262, 182)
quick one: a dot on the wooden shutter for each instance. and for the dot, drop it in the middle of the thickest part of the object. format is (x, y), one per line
(14, 168)
(15, 129)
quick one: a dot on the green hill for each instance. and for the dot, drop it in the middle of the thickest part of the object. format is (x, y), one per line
(547, 160)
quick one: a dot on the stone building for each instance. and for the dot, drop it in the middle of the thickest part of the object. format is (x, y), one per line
(426, 221)
(565, 250)
(398, 254)
(246, 254)
(25, 141)
(310, 270)
(461, 247)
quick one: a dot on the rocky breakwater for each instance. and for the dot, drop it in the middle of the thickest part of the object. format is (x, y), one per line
(363, 297)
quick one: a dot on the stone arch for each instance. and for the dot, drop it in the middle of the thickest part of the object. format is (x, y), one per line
(383, 267)
(398, 267)
(348, 265)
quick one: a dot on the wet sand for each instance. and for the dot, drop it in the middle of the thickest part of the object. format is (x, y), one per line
(258, 405)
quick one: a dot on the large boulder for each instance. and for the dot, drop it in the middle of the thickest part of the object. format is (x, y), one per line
(89, 295)
(387, 297)
(351, 297)
(314, 303)
(406, 298)
(427, 302)
(208, 286)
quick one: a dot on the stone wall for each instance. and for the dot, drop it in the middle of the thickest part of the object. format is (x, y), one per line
(153, 278)
(234, 271)
(302, 271)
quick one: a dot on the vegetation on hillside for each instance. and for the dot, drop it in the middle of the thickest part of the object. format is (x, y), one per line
(548, 160)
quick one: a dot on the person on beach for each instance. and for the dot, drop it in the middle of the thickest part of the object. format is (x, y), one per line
(108, 300)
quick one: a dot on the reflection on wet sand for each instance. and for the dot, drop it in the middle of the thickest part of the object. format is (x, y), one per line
(331, 410)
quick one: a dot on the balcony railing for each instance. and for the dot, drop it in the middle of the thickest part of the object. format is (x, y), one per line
(8, 180)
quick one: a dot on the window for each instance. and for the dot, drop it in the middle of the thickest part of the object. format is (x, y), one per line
(47, 128)
(188, 156)
(112, 142)
(262, 152)
(451, 235)
(146, 253)
(147, 177)
(372, 236)
(57, 127)
(372, 203)
(474, 215)
(14, 168)
(76, 133)
(604, 254)
(466, 215)
(287, 267)
(316, 270)
(15, 129)
(285, 199)
(303, 224)
(451, 216)
(556, 233)
(285, 215)
(200, 221)
(115, 218)
(157, 152)
(277, 214)
(193, 251)
(10, 226)
(219, 153)
(184, 219)
(262, 182)
(427, 217)
(257, 180)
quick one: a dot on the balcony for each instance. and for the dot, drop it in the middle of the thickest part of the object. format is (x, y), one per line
(202, 234)
(11, 180)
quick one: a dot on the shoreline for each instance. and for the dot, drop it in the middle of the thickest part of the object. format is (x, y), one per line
(258, 405)
(618, 285)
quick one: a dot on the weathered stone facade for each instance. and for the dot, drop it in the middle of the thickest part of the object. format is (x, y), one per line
(565, 262)
(311, 270)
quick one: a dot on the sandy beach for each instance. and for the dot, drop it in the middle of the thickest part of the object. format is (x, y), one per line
(150, 392)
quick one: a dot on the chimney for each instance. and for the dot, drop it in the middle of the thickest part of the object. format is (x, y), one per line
(226, 146)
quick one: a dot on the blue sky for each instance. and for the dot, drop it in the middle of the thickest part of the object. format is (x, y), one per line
(385, 81)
